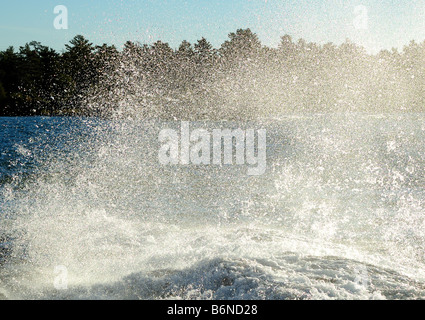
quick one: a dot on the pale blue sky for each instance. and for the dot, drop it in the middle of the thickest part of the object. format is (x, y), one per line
(392, 23)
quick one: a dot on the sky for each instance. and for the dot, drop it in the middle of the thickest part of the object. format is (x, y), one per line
(374, 24)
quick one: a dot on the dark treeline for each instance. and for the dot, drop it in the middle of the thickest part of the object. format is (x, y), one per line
(241, 79)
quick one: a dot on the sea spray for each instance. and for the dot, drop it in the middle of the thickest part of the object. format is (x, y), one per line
(342, 199)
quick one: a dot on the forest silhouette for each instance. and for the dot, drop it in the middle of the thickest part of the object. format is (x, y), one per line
(240, 80)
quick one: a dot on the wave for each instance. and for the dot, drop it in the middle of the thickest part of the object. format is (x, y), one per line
(287, 277)
(338, 215)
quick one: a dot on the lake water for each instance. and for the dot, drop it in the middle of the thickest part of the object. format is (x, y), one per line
(88, 212)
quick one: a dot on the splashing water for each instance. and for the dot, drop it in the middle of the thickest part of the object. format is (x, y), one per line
(339, 213)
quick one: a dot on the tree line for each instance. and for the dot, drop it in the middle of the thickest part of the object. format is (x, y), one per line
(241, 79)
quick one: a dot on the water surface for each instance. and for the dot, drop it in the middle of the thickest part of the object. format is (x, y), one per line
(339, 214)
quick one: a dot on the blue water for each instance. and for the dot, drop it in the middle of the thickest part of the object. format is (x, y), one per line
(339, 213)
